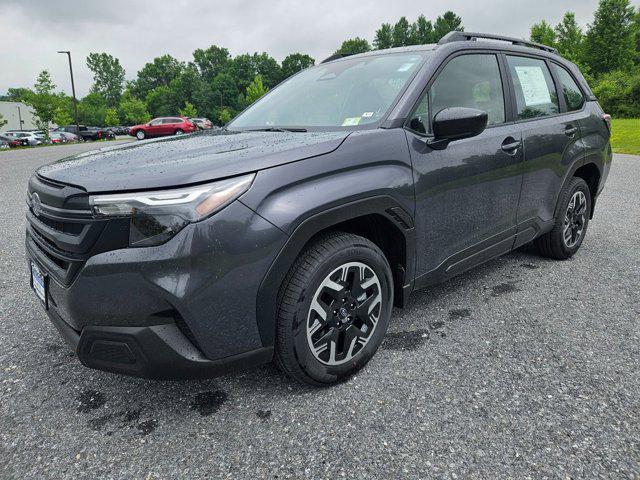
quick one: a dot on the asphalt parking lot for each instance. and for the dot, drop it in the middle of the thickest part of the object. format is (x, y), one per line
(522, 368)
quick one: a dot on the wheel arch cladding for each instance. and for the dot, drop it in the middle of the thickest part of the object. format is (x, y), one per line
(380, 219)
(590, 173)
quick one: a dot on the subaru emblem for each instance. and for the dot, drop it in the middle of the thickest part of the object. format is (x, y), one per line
(36, 204)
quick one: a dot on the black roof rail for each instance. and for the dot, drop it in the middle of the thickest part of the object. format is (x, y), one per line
(335, 56)
(456, 36)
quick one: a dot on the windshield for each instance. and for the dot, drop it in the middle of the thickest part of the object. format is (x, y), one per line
(346, 93)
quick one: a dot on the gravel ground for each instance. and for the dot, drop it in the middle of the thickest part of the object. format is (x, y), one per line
(522, 368)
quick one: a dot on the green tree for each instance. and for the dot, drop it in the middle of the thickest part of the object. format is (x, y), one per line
(43, 101)
(609, 43)
(62, 116)
(422, 32)
(224, 116)
(543, 33)
(268, 68)
(133, 110)
(111, 118)
(189, 110)
(160, 102)
(211, 61)
(295, 62)
(92, 109)
(108, 76)
(446, 23)
(3, 122)
(384, 37)
(569, 37)
(401, 32)
(17, 94)
(158, 73)
(353, 46)
(255, 90)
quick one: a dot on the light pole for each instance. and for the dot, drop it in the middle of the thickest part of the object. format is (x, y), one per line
(73, 90)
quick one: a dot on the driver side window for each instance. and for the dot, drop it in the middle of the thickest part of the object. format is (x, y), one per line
(471, 81)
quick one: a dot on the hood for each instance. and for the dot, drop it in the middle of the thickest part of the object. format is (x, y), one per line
(175, 161)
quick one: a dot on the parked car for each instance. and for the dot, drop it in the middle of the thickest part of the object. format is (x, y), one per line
(163, 126)
(13, 142)
(58, 137)
(291, 235)
(120, 130)
(202, 123)
(84, 132)
(5, 142)
(28, 138)
(66, 137)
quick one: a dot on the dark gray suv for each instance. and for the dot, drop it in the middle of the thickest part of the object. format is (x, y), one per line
(292, 233)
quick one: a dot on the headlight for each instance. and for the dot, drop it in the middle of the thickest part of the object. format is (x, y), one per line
(158, 215)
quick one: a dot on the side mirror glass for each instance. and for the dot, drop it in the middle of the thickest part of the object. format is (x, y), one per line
(456, 123)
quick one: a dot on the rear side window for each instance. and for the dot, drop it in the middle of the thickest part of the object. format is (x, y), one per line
(471, 81)
(572, 94)
(536, 94)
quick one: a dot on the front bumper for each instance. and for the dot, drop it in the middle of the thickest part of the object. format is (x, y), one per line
(180, 310)
(159, 352)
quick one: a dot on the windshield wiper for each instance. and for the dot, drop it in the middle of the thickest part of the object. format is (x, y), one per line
(277, 129)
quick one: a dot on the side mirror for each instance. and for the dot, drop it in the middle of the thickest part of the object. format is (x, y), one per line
(456, 123)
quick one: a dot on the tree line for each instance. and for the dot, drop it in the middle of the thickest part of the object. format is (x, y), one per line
(217, 85)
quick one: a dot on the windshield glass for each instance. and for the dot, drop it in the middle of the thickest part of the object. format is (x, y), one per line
(346, 93)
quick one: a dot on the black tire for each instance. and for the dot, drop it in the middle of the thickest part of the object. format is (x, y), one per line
(328, 254)
(553, 243)
(141, 135)
(178, 132)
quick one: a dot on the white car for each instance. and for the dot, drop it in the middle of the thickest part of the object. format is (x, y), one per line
(31, 137)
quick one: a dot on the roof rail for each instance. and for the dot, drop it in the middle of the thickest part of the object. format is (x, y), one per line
(335, 56)
(456, 36)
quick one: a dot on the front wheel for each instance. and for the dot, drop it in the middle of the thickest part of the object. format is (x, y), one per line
(140, 135)
(570, 227)
(334, 307)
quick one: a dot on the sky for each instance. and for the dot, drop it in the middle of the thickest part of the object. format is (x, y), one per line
(32, 31)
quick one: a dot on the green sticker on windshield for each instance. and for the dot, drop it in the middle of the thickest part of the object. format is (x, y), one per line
(351, 121)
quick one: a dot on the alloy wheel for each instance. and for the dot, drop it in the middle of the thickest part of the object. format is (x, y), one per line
(575, 219)
(344, 313)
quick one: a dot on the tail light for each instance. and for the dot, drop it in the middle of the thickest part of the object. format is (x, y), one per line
(99, 134)
(607, 120)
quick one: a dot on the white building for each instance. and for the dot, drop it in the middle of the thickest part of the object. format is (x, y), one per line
(13, 112)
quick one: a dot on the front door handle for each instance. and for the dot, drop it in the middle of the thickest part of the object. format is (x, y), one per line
(570, 131)
(510, 145)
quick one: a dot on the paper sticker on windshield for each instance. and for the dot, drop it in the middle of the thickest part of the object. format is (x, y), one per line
(405, 67)
(534, 86)
(367, 114)
(351, 121)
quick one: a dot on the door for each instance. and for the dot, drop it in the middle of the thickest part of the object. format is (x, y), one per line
(155, 127)
(169, 126)
(467, 194)
(551, 137)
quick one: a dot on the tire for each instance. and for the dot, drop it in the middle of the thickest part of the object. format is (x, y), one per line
(140, 135)
(313, 281)
(179, 132)
(572, 219)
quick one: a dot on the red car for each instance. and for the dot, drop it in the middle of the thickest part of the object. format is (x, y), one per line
(162, 126)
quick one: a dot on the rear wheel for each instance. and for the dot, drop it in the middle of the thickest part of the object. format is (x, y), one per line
(140, 135)
(179, 132)
(571, 223)
(333, 309)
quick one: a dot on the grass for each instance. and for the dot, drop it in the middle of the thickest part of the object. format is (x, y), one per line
(625, 137)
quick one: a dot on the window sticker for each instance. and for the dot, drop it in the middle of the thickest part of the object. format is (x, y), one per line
(405, 67)
(351, 121)
(534, 85)
(367, 114)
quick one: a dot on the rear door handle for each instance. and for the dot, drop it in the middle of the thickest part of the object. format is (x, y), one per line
(510, 145)
(570, 131)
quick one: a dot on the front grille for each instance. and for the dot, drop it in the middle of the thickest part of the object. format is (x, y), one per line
(61, 229)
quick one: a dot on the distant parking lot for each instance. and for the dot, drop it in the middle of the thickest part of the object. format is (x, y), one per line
(522, 368)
